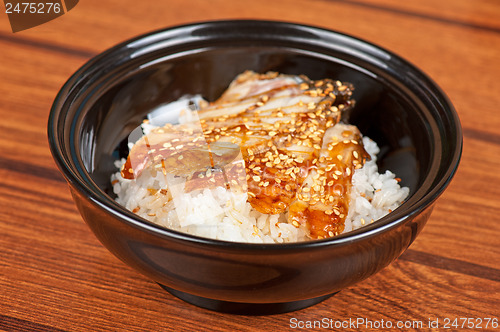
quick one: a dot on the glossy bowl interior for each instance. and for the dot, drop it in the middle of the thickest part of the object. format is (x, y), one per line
(397, 105)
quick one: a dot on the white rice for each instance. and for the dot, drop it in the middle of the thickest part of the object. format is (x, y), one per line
(225, 215)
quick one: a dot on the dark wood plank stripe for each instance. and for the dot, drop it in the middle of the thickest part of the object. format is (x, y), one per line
(8, 323)
(451, 264)
(491, 138)
(71, 51)
(79, 265)
(39, 198)
(26, 168)
(435, 18)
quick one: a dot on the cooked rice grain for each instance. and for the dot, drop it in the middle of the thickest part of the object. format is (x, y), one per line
(225, 215)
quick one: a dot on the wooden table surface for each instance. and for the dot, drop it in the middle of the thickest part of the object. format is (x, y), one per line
(56, 276)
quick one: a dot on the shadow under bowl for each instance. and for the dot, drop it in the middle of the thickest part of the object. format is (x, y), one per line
(397, 105)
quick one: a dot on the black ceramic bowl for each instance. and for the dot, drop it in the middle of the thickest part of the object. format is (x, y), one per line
(397, 105)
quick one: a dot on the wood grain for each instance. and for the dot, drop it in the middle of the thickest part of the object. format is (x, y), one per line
(56, 276)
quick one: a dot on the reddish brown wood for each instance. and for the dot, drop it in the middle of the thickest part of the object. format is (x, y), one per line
(54, 274)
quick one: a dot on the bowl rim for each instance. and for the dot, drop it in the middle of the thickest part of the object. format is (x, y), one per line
(79, 178)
